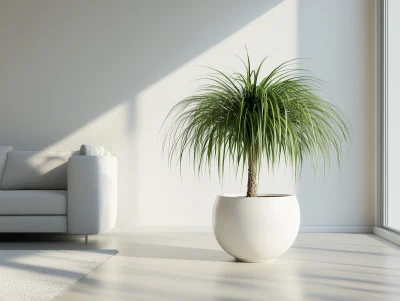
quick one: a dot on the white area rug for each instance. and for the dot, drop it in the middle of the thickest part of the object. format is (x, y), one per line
(42, 274)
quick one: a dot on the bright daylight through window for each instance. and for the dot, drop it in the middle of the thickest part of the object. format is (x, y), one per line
(392, 114)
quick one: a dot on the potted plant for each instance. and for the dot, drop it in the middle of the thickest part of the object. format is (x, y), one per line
(247, 120)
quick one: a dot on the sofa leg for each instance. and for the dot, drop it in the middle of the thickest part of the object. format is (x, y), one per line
(86, 238)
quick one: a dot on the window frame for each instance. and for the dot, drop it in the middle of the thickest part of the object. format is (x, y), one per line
(382, 118)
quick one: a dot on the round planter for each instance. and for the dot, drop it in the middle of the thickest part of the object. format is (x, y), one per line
(256, 229)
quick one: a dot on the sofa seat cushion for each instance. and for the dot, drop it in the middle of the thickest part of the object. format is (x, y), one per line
(33, 202)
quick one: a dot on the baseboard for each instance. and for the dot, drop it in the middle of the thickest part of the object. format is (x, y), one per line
(335, 228)
(166, 229)
(387, 234)
(205, 229)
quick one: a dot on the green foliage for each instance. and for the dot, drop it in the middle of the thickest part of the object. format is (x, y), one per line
(246, 119)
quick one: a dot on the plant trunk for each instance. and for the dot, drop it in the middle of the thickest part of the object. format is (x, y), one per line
(252, 180)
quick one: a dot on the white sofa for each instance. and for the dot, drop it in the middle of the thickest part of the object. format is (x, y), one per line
(57, 192)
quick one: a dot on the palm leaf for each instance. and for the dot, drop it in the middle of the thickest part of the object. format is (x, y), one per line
(244, 120)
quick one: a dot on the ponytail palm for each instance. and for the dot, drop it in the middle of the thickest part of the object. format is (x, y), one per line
(245, 119)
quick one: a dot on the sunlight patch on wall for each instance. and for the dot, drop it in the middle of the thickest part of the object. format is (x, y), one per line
(110, 128)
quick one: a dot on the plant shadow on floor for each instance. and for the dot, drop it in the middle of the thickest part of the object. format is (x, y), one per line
(157, 251)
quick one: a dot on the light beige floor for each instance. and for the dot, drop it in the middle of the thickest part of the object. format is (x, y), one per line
(191, 266)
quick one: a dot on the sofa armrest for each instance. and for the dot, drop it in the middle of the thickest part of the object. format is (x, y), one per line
(92, 194)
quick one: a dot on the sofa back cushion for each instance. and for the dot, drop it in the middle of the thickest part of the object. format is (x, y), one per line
(35, 170)
(3, 157)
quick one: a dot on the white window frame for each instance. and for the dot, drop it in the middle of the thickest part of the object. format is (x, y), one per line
(381, 228)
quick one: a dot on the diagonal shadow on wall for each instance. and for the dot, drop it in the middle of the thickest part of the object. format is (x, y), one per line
(65, 63)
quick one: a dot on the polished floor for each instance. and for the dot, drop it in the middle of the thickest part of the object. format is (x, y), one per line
(192, 267)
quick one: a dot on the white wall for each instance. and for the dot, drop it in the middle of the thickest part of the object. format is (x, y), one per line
(107, 72)
(340, 37)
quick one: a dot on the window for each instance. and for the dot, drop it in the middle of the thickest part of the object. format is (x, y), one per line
(390, 96)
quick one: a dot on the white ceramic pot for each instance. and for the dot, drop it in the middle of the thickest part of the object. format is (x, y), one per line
(256, 229)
